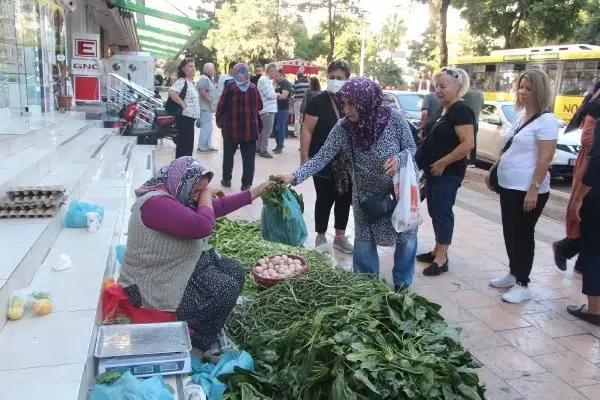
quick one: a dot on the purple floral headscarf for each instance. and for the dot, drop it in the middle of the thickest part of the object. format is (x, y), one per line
(367, 97)
(178, 178)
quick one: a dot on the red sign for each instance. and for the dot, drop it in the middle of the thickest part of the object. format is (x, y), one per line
(87, 88)
(86, 48)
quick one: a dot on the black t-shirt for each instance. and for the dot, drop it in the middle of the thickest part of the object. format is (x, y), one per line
(442, 139)
(254, 79)
(320, 107)
(284, 85)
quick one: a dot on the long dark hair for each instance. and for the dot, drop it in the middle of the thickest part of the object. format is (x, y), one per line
(586, 108)
(184, 62)
(314, 84)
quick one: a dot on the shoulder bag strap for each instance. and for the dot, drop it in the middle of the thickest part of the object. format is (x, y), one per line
(183, 92)
(510, 141)
(335, 108)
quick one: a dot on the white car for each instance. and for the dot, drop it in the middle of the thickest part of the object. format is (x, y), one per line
(495, 120)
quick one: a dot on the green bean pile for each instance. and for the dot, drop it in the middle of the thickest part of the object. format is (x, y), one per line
(332, 334)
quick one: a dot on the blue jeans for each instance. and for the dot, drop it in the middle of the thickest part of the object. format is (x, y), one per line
(206, 128)
(366, 260)
(441, 195)
(281, 127)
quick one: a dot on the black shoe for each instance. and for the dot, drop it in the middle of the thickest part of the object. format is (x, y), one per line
(559, 259)
(277, 151)
(245, 188)
(426, 257)
(265, 154)
(225, 183)
(435, 270)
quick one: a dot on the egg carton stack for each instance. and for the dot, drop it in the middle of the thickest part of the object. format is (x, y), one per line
(32, 201)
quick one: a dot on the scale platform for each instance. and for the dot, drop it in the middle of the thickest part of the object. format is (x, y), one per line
(144, 349)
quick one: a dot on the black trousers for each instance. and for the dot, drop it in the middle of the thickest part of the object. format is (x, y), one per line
(590, 245)
(519, 229)
(248, 150)
(327, 197)
(185, 136)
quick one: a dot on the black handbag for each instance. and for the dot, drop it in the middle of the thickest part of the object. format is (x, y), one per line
(378, 206)
(173, 108)
(494, 170)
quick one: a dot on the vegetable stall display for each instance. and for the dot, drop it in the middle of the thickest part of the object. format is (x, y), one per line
(332, 334)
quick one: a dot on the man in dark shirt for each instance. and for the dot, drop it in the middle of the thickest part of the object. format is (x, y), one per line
(284, 89)
(474, 98)
(431, 110)
(258, 71)
(300, 87)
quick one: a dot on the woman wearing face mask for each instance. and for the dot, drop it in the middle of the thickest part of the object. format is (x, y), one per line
(332, 183)
(524, 179)
(377, 142)
(442, 157)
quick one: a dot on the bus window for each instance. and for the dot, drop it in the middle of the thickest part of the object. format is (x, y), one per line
(484, 77)
(507, 75)
(579, 77)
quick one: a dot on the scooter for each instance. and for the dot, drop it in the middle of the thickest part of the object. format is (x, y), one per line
(158, 123)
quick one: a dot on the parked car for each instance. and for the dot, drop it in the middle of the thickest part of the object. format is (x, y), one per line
(495, 120)
(408, 102)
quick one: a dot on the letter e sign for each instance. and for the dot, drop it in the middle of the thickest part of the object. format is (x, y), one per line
(86, 48)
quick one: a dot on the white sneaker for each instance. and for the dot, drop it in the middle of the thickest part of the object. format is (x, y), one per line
(517, 294)
(505, 282)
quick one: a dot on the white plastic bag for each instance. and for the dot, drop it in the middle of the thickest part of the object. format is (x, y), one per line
(406, 215)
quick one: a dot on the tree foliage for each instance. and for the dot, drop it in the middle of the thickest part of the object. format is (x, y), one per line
(392, 33)
(439, 12)
(335, 9)
(589, 30)
(252, 30)
(522, 23)
(308, 47)
(424, 53)
(387, 73)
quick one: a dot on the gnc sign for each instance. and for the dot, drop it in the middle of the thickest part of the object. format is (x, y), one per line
(85, 67)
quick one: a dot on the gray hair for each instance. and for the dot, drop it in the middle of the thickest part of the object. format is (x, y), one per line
(272, 66)
(208, 67)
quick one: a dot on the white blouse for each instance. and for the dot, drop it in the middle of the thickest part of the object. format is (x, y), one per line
(192, 97)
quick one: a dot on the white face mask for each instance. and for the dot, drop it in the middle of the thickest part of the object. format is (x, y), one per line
(334, 85)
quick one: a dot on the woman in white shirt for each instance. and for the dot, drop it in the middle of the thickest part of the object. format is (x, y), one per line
(524, 180)
(190, 102)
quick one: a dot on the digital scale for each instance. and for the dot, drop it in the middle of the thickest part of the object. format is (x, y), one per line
(144, 349)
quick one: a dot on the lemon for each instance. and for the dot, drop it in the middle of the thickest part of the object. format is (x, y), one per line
(42, 307)
(15, 313)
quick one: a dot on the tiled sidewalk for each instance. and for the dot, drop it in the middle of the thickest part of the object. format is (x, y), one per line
(533, 351)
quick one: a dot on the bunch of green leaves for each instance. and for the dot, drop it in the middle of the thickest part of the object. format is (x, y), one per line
(332, 334)
(273, 197)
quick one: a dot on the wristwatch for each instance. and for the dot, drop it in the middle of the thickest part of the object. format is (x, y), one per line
(536, 185)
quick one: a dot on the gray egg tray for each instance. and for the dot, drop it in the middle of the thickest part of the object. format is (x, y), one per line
(32, 201)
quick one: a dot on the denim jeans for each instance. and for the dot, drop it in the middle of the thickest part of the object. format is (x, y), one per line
(281, 127)
(206, 128)
(441, 195)
(366, 260)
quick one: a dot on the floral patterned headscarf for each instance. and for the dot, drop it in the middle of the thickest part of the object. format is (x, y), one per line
(178, 179)
(373, 116)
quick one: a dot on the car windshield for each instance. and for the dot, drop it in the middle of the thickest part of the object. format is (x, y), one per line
(410, 102)
(509, 112)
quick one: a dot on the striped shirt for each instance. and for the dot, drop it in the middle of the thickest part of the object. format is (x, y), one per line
(239, 112)
(300, 87)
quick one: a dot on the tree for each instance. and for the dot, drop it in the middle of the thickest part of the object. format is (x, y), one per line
(440, 14)
(424, 54)
(392, 33)
(251, 30)
(589, 31)
(387, 73)
(308, 47)
(522, 23)
(334, 8)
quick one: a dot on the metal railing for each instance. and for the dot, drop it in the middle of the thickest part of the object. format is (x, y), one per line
(121, 92)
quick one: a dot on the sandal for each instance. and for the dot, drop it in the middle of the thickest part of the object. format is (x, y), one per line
(586, 316)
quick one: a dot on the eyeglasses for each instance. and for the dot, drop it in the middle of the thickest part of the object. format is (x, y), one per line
(450, 72)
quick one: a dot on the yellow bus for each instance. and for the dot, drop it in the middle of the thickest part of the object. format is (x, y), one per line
(572, 69)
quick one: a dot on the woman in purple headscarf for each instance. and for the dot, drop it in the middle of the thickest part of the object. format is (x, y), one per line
(169, 264)
(377, 142)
